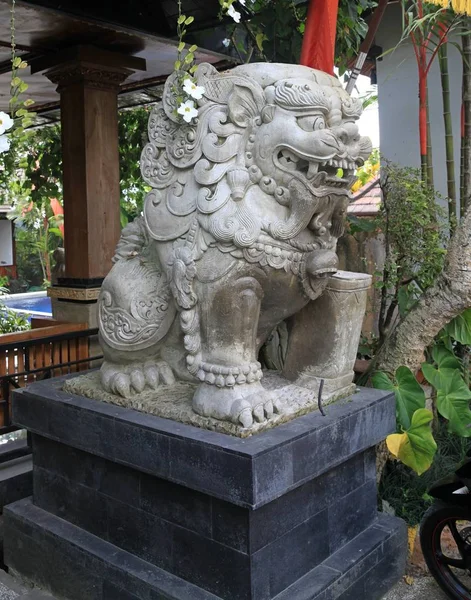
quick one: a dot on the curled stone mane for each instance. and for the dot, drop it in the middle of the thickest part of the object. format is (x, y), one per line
(204, 169)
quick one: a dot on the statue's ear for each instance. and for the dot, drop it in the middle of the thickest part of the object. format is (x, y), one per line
(244, 104)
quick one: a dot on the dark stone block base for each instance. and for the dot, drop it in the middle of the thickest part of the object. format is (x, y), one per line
(128, 506)
(81, 566)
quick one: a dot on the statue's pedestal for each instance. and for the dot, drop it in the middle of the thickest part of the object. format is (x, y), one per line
(129, 506)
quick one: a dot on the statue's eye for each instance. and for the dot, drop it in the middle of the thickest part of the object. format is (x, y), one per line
(311, 123)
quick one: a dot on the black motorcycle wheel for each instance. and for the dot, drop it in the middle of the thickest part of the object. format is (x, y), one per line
(448, 557)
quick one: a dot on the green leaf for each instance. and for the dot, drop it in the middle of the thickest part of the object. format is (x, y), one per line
(460, 328)
(415, 447)
(193, 48)
(16, 62)
(447, 364)
(181, 19)
(259, 39)
(409, 395)
(453, 399)
(444, 358)
(189, 21)
(181, 46)
(177, 65)
(189, 57)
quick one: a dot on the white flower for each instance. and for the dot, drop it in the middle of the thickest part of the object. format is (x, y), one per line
(193, 90)
(4, 143)
(6, 122)
(231, 11)
(242, 2)
(226, 42)
(187, 110)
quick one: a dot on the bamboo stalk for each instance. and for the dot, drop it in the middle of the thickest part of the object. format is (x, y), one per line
(423, 125)
(429, 146)
(449, 146)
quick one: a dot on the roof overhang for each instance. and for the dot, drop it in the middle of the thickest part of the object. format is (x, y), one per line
(42, 32)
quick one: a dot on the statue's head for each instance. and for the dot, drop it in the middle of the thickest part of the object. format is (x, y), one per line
(272, 153)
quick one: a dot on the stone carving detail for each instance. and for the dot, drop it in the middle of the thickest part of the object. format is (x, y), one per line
(238, 233)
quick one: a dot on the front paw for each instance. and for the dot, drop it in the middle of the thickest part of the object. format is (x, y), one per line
(126, 380)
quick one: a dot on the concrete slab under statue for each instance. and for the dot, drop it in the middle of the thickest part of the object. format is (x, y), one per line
(185, 468)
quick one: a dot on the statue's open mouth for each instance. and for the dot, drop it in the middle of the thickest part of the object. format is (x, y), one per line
(337, 172)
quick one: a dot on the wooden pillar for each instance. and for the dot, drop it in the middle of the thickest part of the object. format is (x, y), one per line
(88, 80)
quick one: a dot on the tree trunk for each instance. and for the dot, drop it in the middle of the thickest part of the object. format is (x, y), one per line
(449, 146)
(466, 133)
(445, 300)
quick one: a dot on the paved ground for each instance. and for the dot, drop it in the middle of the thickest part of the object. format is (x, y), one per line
(10, 589)
(422, 588)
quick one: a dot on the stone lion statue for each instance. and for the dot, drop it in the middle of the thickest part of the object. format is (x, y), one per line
(238, 233)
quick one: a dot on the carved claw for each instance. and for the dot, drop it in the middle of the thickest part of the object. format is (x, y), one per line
(259, 413)
(121, 385)
(246, 418)
(138, 380)
(268, 407)
(125, 380)
(152, 376)
(166, 373)
(277, 408)
(242, 413)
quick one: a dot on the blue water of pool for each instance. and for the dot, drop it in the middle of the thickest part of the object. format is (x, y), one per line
(41, 304)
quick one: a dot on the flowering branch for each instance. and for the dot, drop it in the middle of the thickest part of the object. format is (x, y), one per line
(20, 117)
(185, 88)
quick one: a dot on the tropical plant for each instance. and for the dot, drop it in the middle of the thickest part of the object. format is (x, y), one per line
(448, 376)
(427, 28)
(272, 30)
(369, 171)
(10, 320)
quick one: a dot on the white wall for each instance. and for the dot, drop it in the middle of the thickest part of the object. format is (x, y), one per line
(6, 243)
(399, 102)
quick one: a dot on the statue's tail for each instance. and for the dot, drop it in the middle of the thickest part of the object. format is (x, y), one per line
(132, 241)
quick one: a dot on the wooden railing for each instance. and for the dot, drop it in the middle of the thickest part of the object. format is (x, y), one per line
(38, 354)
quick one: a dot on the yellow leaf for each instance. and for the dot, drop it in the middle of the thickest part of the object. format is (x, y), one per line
(411, 538)
(394, 443)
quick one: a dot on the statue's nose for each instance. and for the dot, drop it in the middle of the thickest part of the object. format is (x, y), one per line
(343, 135)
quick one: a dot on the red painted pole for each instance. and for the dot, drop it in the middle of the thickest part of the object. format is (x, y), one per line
(318, 48)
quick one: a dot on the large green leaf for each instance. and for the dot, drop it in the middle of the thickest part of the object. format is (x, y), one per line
(444, 358)
(460, 328)
(447, 365)
(409, 395)
(416, 446)
(453, 397)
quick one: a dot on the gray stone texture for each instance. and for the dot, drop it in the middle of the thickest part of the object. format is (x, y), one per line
(175, 401)
(238, 233)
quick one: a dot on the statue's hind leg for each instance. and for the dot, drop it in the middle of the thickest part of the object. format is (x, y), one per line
(229, 372)
(136, 313)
